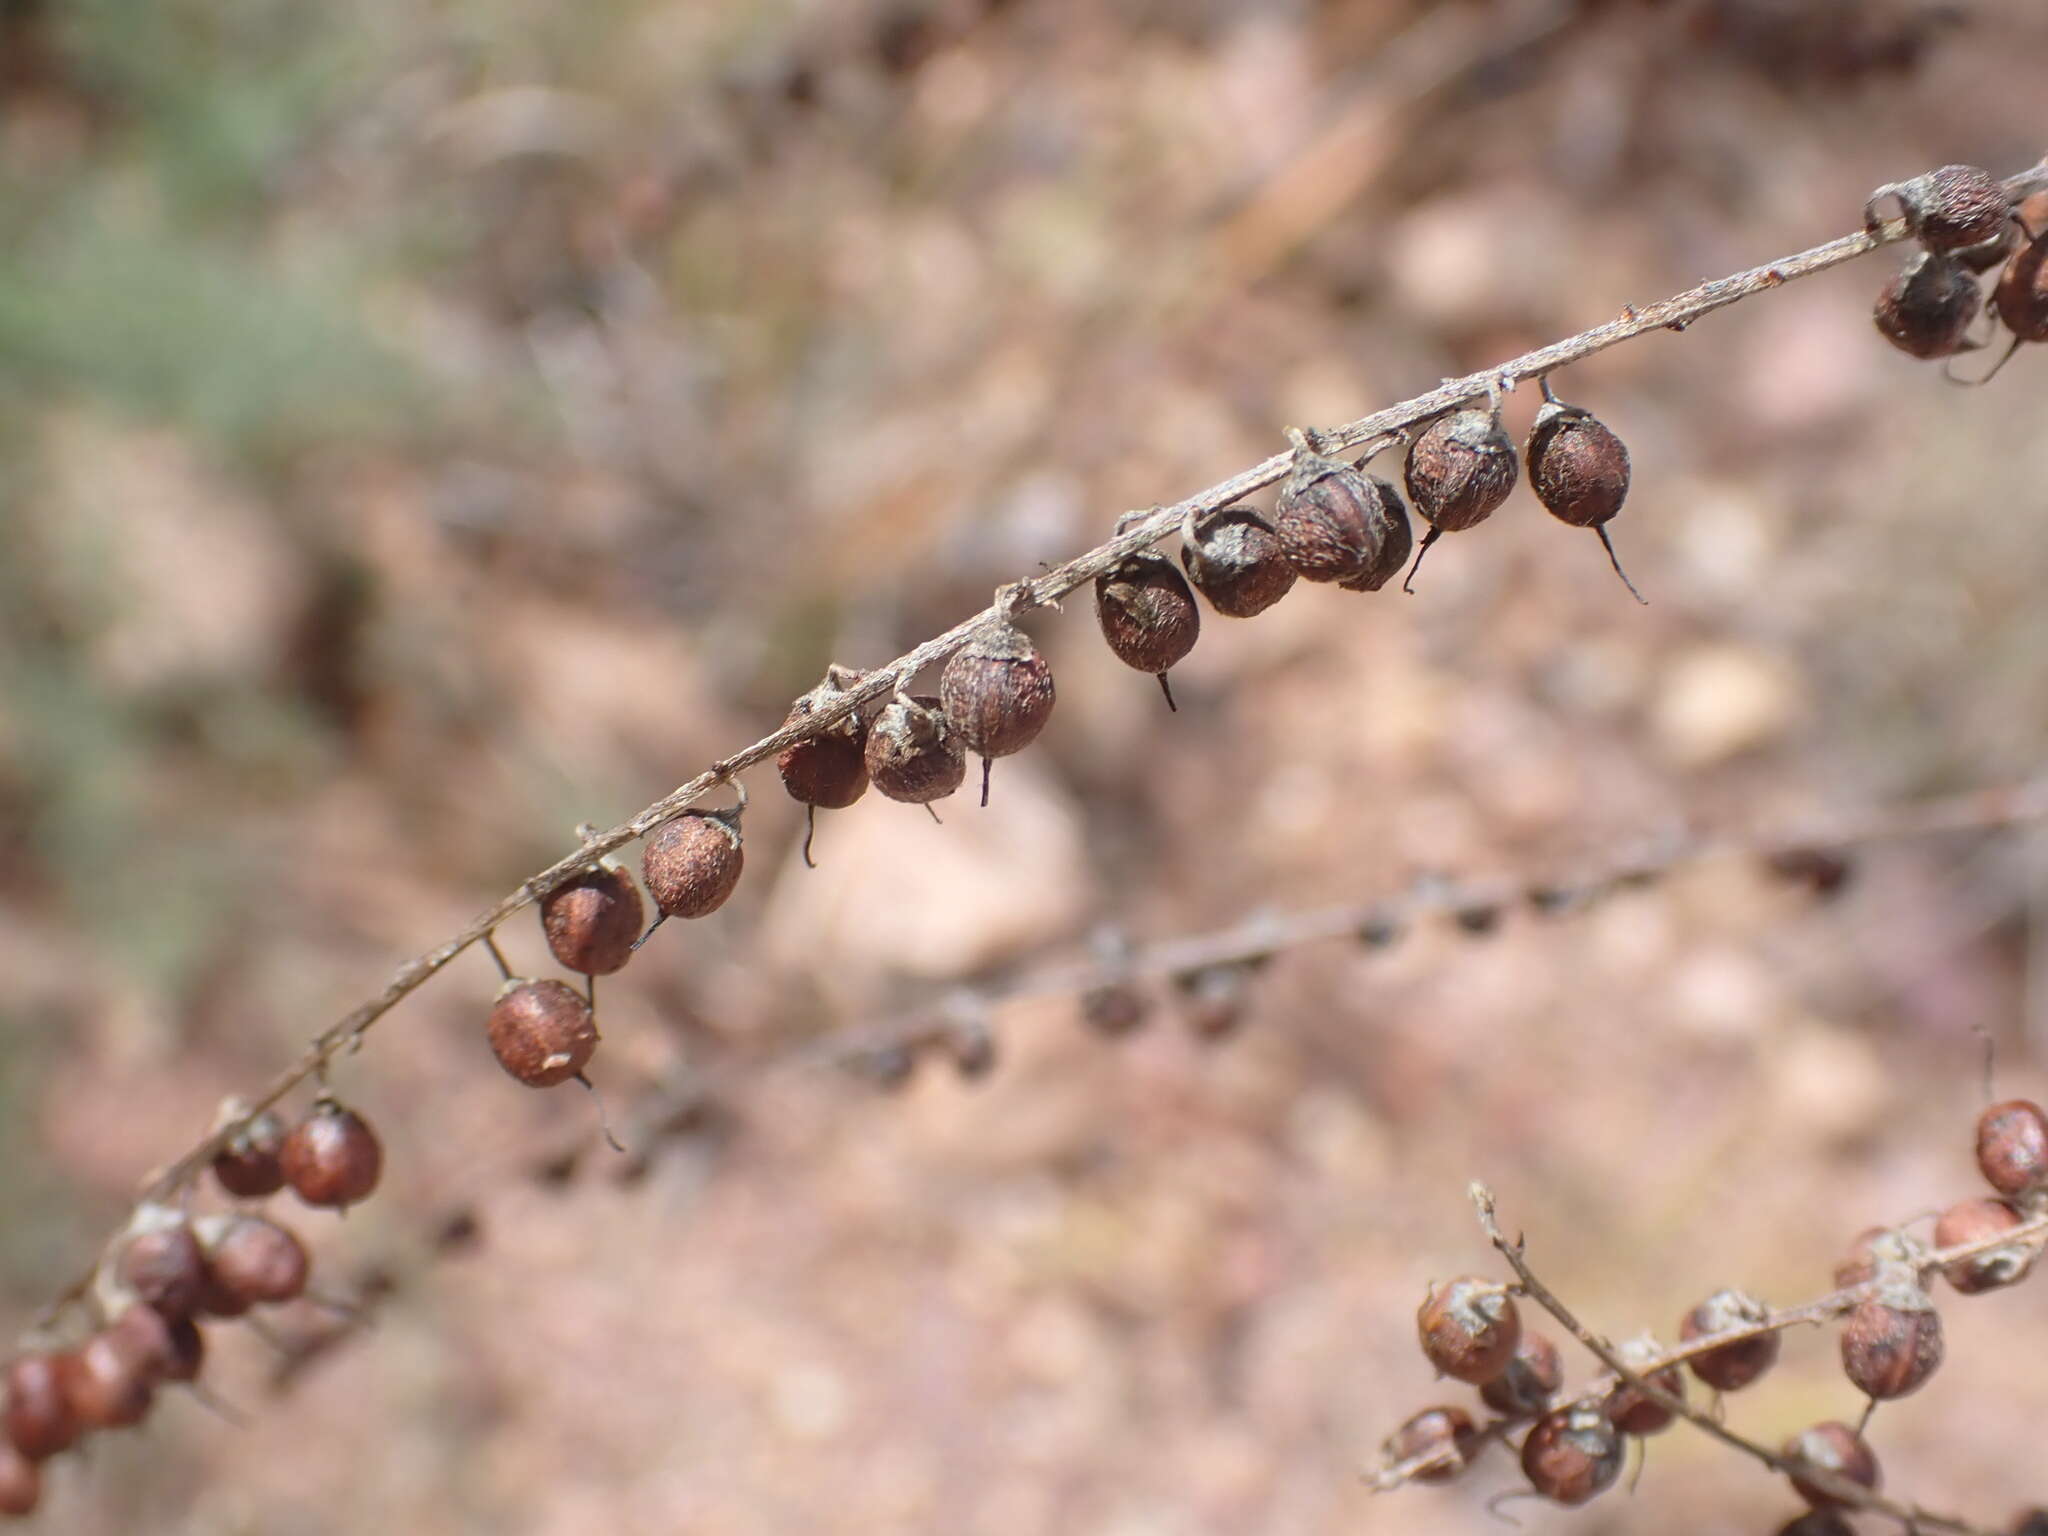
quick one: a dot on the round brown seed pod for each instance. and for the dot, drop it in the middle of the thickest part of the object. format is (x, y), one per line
(2012, 1147)
(1148, 615)
(691, 862)
(1235, 559)
(146, 1333)
(108, 1382)
(332, 1158)
(1579, 470)
(592, 921)
(1444, 1435)
(1927, 308)
(997, 693)
(828, 771)
(1735, 1365)
(1212, 1000)
(1833, 1447)
(1976, 1221)
(254, 1262)
(1572, 1454)
(160, 1263)
(912, 754)
(247, 1167)
(1948, 209)
(1880, 1248)
(1397, 544)
(1630, 1409)
(39, 1417)
(21, 1482)
(1533, 1376)
(1469, 1329)
(1891, 1342)
(1332, 521)
(2020, 297)
(1460, 468)
(542, 1032)
(1115, 1009)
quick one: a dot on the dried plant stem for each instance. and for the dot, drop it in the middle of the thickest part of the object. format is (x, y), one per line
(1911, 1516)
(1675, 313)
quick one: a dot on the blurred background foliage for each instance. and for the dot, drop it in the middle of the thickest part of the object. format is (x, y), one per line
(423, 427)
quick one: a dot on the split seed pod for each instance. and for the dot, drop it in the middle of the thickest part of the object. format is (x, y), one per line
(1975, 1221)
(997, 693)
(1534, 1373)
(2012, 1147)
(1892, 1341)
(1925, 310)
(1235, 560)
(1443, 1435)
(1572, 1454)
(1734, 1365)
(1460, 468)
(912, 753)
(1147, 614)
(1469, 1328)
(247, 1166)
(542, 1032)
(1633, 1411)
(39, 1417)
(1333, 522)
(1833, 1447)
(254, 1262)
(1950, 209)
(593, 919)
(691, 862)
(332, 1158)
(1579, 470)
(827, 771)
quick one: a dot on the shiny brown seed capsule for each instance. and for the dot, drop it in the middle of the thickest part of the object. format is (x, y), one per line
(1832, 1447)
(1333, 522)
(1469, 1328)
(542, 1032)
(21, 1482)
(827, 771)
(1926, 310)
(1946, 210)
(1891, 1342)
(254, 1261)
(1235, 560)
(1440, 1440)
(1460, 468)
(1880, 1248)
(2012, 1147)
(1579, 470)
(108, 1382)
(1976, 1221)
(39, 1418)
(1572, 1454)
(592, 921)
(1633, 1411)
(332, 1158)
(912, 753)
(997, 693)
(247, 1167)
(1734, 1365)
(1148, 615)
(160, 1263)
(1533, 1376)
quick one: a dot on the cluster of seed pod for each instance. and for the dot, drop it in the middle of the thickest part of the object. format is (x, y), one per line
(1965, 226)
(1572, 1446)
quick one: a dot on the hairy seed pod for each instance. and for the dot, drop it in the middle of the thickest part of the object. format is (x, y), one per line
(1147, 614)
(912, 753)
(1976, 1221)
(1832, 1447)
(593, 919)
(1397, 542)
(2020, 297)
(332, 1158)
(247, 1166)
(1579, 470)
(1891, 1342)
(1630, 1409)
(1572, 1454)
(1949, 209)
(1236, 561)
(997, 693)
(1332, 521)
(2012, 1147)
(108, 1382)
(1533, 1376)
(1735, 1365)
(39, 1418)
(542, 1032)
(1444, 1435)
(1460, 468)
(1469, 1329)
(161, 1263)
(1877, 1249)
(254, 1262)
(828, 771)
(1925, 310)
(691, 862)
(1114, 1010)
(21, 1482)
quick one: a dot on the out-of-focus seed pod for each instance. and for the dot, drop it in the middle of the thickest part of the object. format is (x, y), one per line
(1579, 470)
(1148, 615)
(1333, 522)
(912, 753)
(1469, 1328)
(39, 1417)
(1880, 1248)
(1460, 468)
(1440, 1440)
(21, 1482)
(160, 1262)
(1533, 1376)
(1734, 1365)
(1633, 1411)
(997, 693)
(829, 770)
(1114, 1009)
(2012, 1147)
(1976, 1221)
(1949, 209)
(1926, 310)
(1572, 1454)
(1235, 559)
(1891, 1341)
(1833, 1447)
(108, 1382)
(1213, 1000)
(247, 1166)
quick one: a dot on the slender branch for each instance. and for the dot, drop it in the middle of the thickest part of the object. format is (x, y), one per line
(1675, 313)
